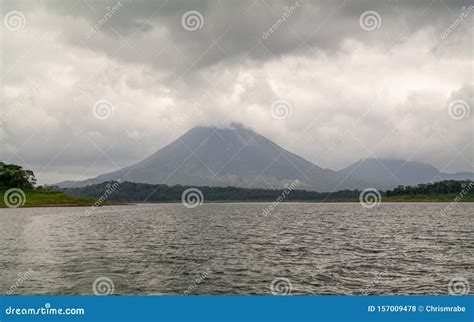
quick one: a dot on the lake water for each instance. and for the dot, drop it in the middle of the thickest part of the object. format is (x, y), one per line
(299, 248)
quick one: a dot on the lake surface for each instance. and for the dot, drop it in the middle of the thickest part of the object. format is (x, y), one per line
(234, 249)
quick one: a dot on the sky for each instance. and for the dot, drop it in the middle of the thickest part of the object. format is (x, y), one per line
(92, 86)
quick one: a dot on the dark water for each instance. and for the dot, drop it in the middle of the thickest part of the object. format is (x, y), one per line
(234, 249)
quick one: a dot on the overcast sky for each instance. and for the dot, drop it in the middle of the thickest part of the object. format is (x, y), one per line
(91, 86)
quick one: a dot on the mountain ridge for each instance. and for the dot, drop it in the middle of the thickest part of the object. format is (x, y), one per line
(230, 156)
(386, 173)
(238, 156)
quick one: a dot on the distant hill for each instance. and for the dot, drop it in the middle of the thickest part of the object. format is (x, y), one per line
(447, 191)
(232, 156)
(390, 173)
(143, 192)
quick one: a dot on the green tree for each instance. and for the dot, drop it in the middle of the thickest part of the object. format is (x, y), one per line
(14, 176)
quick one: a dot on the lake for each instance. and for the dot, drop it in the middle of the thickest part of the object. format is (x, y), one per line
(232, 248)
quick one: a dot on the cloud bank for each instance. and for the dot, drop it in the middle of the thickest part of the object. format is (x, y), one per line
(91, 87)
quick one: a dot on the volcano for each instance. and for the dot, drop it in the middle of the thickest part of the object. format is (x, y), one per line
(231, 156)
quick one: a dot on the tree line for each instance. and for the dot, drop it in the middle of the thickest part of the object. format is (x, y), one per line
(142, 192)
(436, 188)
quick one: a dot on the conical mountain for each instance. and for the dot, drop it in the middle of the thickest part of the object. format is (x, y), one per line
(232, 156)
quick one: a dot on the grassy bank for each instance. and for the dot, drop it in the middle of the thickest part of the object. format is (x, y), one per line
(54, 198)
(47, 198)
(448, 197)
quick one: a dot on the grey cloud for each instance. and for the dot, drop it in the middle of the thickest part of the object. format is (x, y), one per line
(163, 80)
(155, 28)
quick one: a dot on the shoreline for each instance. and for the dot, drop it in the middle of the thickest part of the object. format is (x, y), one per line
(234, 202)
(56, 205)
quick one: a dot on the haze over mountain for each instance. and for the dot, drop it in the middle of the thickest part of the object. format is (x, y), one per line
(390, 173)
(233, 156)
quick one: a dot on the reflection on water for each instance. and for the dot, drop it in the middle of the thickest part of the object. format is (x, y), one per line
(234, 249)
